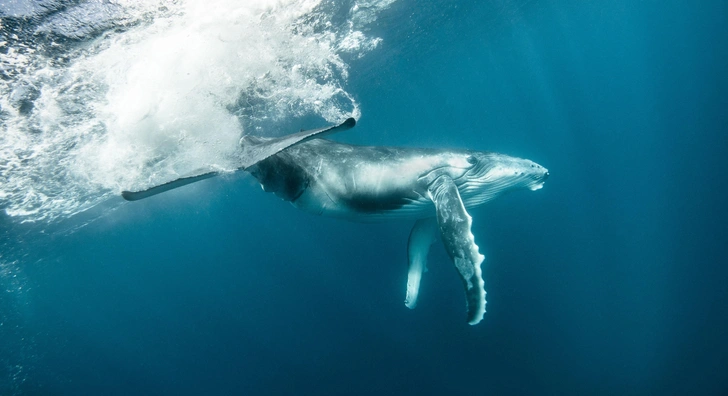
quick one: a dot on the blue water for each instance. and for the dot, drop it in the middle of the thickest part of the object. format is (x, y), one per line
(610, 280)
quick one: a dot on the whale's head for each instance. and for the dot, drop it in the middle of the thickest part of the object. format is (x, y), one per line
(493, 174)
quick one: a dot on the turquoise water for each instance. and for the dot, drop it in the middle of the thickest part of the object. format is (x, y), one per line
(609, 280)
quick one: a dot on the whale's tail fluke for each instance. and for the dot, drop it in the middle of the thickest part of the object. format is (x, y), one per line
(254, 150)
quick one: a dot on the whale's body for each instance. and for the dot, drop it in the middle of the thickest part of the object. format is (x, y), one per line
(371, 183)
(353, 182)
(375, 183)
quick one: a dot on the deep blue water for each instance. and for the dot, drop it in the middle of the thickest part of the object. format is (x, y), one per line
(610, 280)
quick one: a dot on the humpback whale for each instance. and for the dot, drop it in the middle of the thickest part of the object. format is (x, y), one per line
(434, 187)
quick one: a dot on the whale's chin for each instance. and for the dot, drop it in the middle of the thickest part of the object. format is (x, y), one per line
(537, 186)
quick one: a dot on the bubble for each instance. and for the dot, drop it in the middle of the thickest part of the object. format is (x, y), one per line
(105, 97)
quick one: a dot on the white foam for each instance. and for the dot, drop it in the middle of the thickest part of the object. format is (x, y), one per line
(168, 96)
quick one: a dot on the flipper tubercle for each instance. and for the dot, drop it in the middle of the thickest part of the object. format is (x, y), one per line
(455, 229)
(254, 150)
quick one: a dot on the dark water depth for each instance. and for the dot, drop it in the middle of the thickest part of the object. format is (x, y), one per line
(610, 280)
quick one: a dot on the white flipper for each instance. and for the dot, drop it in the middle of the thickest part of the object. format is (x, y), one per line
(423, 235)
(455, 223)
(254, 151)
(182, 181)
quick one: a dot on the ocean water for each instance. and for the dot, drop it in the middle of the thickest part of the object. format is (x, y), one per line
(611, 279)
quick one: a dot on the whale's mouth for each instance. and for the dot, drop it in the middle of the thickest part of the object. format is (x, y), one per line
(539, 185)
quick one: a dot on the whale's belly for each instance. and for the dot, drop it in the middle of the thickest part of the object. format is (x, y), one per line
(357, 183)
(363, 208)
(366, 191)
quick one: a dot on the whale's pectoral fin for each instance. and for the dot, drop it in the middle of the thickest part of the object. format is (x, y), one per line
(455, 222)
(423, 235)
(182, 181)
(257, 149)
(254, 151)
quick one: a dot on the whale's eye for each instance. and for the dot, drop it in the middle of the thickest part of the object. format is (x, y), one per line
(472, 159)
